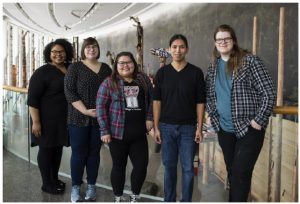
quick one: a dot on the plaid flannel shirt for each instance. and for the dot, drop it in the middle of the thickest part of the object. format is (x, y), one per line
(110, 105)
(252, 96)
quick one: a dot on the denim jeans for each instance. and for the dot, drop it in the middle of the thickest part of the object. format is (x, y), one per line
(85, 145)
(178, 140)
(240, 156)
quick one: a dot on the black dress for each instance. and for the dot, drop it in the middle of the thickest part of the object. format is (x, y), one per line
(46, 93)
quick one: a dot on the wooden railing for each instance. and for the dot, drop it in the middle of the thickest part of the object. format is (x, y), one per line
(286, 110)
(15, 89)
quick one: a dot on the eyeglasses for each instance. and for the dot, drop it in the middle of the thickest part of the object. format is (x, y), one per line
(56, 52)
(89, 47)
(122, 64)
(225, 40)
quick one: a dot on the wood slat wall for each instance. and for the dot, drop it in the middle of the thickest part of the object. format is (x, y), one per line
(289, 166)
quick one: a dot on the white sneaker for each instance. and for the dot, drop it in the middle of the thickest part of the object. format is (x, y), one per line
(134, 198)
(90, 194)
(118, 199)
(75, 194)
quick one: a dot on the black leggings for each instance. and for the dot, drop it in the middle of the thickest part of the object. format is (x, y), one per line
(49, 159)
(240, 156)
(137, 150)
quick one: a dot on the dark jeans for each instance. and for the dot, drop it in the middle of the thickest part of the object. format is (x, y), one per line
(240, 156)
(137, 150)
(49, 159)
(178, 140)
(85, 144)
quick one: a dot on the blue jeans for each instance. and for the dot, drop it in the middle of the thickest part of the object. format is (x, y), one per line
(178, 140)
(85, 145)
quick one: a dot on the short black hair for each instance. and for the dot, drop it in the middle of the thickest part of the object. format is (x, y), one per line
(177, 37)
(62, 42)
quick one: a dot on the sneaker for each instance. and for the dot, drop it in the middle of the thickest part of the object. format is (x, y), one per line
(90, 194)
(118, 199)
(134, 198)
(75, 194)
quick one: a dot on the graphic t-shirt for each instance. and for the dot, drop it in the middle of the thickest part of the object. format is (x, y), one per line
(135, 113)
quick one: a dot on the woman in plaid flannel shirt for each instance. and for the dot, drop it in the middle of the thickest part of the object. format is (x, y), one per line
(124, 113)
(240, 98)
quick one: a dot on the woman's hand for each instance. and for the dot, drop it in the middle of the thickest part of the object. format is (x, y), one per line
(36, 129)
(255, 125)
(91, 113)
(149, 125)
(106, 139)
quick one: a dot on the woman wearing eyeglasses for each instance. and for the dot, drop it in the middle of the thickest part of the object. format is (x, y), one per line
(48, 111)
(81, 85)
(240, 98)
(124, 113)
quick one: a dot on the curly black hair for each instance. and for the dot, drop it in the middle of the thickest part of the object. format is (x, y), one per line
(62, 42)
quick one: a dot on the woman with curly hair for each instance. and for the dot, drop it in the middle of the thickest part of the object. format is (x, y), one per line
(48, 110)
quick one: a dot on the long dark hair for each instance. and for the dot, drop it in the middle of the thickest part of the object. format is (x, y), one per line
(236, 56)
(86, 42)
(62, 42)
(115, 73)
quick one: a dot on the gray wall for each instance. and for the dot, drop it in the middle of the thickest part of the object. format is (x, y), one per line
(198, 22)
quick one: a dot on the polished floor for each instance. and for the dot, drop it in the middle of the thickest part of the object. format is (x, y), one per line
(22, 182)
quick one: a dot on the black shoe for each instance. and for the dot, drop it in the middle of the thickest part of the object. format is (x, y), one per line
(52, 189)
(60, 184)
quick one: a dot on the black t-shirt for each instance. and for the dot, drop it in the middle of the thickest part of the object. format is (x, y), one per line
(179, 93)
(135, 111)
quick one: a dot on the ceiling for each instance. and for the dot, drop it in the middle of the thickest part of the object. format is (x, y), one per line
(71, 19)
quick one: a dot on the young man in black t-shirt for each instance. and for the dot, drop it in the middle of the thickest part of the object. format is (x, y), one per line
(178, 107)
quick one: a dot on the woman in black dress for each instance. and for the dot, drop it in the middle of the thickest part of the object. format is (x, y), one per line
(48, 111)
